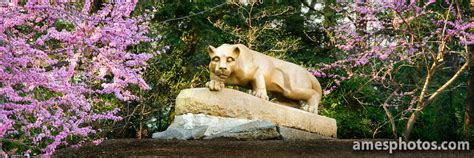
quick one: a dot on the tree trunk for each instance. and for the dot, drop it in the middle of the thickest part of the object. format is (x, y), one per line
(468, 113)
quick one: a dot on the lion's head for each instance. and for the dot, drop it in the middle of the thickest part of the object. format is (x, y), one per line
(223, 60)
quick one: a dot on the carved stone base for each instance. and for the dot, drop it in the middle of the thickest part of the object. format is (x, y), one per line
(200, 126)
(235, 104)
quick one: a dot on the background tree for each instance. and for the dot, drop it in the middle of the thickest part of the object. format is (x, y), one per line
(469, 113)
(372, 59)
(430, 39)
(64, 73)
(371, 89)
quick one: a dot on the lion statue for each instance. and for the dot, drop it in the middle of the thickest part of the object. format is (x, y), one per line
(291, 84)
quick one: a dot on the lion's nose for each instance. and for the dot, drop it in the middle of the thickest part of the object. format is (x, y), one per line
(222, 68)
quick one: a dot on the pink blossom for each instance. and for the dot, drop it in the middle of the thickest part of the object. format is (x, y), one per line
(326, 92)
(34, 65)
(377, 49)
(98, 141)
(383, 56)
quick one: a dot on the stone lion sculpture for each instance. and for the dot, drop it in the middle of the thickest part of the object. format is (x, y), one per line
(291, 84)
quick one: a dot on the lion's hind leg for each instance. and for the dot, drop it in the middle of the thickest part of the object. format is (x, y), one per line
(310, 96)
(280, 99)
(312, 103)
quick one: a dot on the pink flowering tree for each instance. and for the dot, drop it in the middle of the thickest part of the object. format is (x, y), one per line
(58, 63)
(378, 39)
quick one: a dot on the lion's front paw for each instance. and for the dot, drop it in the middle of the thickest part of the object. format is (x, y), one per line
(261, 94)
(214, 85)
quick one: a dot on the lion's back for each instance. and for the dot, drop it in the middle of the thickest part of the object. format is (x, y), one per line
(298, 75)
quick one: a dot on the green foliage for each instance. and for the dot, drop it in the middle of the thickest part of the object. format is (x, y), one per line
(279, 30)
(357, 110)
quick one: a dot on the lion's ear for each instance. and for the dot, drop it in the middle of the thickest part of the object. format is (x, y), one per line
(236, 52)
(211, 51)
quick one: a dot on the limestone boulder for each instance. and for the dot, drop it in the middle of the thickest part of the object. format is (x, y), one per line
(200, 126)
(229, 103)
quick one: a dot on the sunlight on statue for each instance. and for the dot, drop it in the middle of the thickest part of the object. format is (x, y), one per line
(289, 83)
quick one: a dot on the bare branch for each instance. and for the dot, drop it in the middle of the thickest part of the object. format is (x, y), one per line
(389, 114)
(449, 82)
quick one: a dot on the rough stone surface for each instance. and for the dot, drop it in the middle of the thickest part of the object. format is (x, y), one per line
(200, 126)
(174, 132)
(295, 134)
(255, 130)
(235, 104)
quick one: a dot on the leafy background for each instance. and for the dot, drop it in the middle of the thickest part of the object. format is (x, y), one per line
(356, 104)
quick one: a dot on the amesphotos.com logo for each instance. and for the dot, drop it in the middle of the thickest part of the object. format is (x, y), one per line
(393, 145)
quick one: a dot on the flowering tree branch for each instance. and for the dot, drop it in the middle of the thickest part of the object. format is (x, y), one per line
(61, 69)
(418, 38)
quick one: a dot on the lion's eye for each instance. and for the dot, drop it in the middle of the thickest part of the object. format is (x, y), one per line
(229, 59)
(215, 59)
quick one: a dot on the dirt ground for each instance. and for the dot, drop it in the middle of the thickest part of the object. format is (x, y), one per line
(148, 148)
